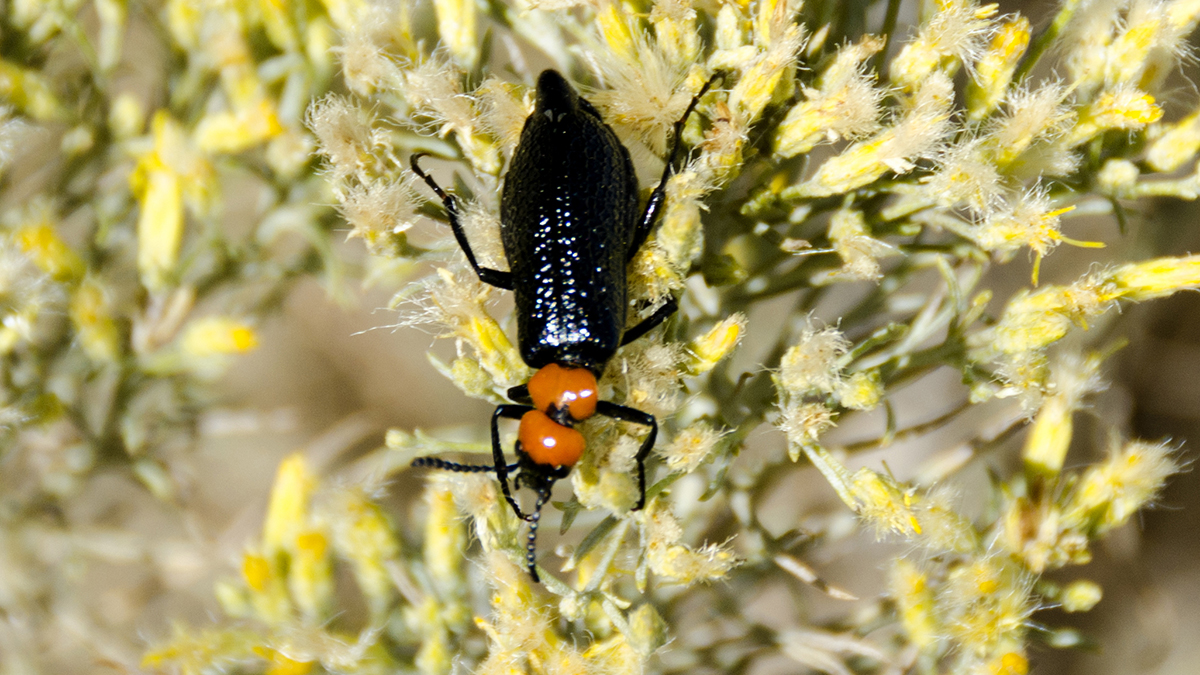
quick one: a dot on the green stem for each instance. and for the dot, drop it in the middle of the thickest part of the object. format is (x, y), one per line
(889, 27)
(908, 432)
(1043, 41)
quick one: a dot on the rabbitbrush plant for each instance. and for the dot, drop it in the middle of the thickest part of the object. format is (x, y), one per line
(863, 187)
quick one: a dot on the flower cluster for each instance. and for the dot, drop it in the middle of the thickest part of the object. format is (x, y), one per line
(157, 201)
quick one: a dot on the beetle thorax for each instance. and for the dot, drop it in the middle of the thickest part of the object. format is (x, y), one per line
(565, 393)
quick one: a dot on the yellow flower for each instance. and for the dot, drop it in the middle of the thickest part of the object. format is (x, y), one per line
(1080, 596)
(1030, 222)
(1050, 436)
(1109, 493)
(459, 304)
(1033, 320)
(884, 503)
(127, 116)
(986, 604)
(813, 364)
(1072, 378)
(913, 593)
(1042, 536)
(310, 575)
(966, 174)
(803, 424)
(954, 33)
(276, 18)
(707, 350)
(1030, 117)
(779, 40)
(29, 92)
(1130, 56)
(668, 557)
(680, 235)
(1174, 144)
(164, 178)
(844, 104)
(184, 19)
(231, 132)
(859, 251)
(43, 246)
(691, 447)
(287, 513)
(360, 532)
(216, 335)
(916, 135)
(160, 228)
(675, 30)
(345, 136)
(861, 391)
(92, 316)
(196, 650)
(434, 87)
(994, 72)
(1156, 278)
(445, 542)
(380, 212)
(268, 588)
(616, 30)
(1123, 108)
(456, 21)
(1118, 178)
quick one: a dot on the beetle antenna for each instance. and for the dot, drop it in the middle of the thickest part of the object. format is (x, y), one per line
(531, 545)
(435, 463)
(412, 162)
(679, 124)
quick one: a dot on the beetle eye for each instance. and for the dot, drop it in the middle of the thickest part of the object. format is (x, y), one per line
(547, 442)
(555, 386)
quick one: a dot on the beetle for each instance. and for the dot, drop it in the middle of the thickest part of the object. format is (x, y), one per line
(569, 224)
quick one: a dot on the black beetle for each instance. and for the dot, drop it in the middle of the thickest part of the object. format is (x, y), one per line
(569, 223)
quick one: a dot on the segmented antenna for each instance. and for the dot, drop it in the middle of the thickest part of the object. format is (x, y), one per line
(436, 463)
(531, 545)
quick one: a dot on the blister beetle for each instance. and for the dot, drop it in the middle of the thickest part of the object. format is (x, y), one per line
(569, 224)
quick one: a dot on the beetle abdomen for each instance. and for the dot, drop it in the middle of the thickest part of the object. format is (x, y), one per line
(568, 213)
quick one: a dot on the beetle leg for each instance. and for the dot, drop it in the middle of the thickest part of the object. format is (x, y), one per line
(627, 414)
(659, 195)
(648, 324)
(520, 394)
(497, 278)
(512, 412)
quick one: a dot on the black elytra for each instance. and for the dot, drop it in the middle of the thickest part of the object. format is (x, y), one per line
(570, 224)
